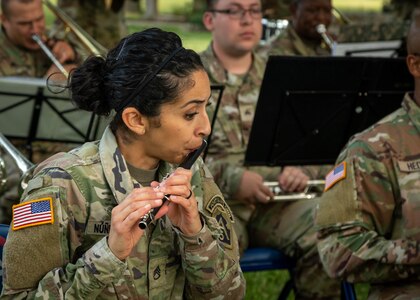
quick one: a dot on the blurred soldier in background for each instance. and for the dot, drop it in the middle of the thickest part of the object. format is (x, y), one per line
(402, 8)
(301, 36)
(104, 20)
(20, 55)
(368, 218)
(230, 60)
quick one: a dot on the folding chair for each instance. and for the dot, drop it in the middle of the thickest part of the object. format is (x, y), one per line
(264, 259)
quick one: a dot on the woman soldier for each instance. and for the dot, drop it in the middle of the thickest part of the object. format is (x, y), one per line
(76, 232)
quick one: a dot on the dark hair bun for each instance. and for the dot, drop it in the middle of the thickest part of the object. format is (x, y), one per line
(87, 86)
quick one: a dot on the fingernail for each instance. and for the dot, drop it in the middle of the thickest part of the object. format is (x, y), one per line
(148, 206)
(158, 201)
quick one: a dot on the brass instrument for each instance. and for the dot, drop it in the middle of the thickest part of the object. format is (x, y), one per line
(329, 42)
(341, 17)
(313, 190)
(50, 55)
(24, 165)
(92, 46)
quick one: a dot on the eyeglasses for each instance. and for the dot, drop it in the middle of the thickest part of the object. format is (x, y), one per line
(238, 13)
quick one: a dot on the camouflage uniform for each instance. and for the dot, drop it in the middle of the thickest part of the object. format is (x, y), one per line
(369, 222)
(71, 257)
(289, 43)
(380, 30)
(286, 226)
(15, 61)
(105, 24)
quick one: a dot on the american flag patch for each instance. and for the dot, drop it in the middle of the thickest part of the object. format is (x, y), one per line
(32, 213)
(337, 174)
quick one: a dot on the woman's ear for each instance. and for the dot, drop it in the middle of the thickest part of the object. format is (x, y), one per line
(134, 120)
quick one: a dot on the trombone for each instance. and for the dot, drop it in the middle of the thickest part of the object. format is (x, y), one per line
(92, 46)
(313, 190)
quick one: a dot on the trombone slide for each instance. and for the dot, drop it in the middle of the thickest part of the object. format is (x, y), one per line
(50, 55)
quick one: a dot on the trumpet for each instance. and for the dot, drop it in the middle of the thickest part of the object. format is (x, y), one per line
(313, 190)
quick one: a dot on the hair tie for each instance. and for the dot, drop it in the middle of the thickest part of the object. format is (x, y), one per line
(148, 79)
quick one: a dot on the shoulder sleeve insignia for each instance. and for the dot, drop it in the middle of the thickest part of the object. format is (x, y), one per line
(33, 213)
(335, 175)
(224, 217)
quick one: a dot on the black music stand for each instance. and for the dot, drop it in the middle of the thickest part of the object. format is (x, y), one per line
(30, 112)
(216, 93)
(310, 106)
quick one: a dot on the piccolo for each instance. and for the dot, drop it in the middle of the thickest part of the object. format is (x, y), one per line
(186, 164)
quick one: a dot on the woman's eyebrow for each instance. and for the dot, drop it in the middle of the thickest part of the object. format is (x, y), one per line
(195, 101)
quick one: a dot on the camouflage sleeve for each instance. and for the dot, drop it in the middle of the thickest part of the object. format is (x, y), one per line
(355, 216)
(227, 176)
(46, 252)
(211, 258)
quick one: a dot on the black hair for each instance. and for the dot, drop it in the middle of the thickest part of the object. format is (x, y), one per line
(139, 72)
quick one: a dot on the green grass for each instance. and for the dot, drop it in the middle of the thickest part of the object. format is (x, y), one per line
(191, 39)
(266, 285)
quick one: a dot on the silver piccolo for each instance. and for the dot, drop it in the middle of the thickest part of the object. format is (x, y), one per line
(186, 164)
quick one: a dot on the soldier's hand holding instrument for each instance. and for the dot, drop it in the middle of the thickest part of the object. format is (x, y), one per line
(187, 164)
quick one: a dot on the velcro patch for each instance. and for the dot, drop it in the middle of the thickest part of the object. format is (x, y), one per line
(33, 213)
(335, 175)
(222, 213)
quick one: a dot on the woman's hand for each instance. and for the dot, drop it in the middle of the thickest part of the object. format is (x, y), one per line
(125, 217)
(182, 208)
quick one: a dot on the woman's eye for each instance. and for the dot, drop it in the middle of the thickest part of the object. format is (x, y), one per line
(190, 116)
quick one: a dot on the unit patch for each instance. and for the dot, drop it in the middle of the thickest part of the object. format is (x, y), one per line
(222, 213)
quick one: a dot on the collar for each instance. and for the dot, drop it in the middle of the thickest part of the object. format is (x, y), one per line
(219, 75)
(412, 109)
(115, 167)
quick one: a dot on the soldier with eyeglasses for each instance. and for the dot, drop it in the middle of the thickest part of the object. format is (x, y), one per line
(231, 60)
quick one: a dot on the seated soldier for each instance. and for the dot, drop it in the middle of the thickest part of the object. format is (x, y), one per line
(368, 219)
(20, 54)
(301, 36)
